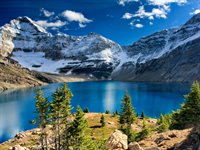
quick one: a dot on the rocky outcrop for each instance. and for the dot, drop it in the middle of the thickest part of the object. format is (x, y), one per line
(12, 75)
(192, 141)
(134, 146)
(117, 141)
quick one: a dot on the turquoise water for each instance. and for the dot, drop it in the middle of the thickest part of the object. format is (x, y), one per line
(17, 107)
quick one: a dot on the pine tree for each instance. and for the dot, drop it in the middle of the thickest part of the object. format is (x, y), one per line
(127, 115)
(78, 128)
(107, 112)
(102, 121)
(55, 115)
(66, 113)
(115, 113)
(190, 110)
(163, 123)
(86, 110)
(142, 115)
(60, 109)
(145, 131)
(42, 118)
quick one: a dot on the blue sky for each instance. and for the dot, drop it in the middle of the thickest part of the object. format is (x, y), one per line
(123, 21)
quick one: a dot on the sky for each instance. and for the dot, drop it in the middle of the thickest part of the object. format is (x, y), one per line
(123, 21)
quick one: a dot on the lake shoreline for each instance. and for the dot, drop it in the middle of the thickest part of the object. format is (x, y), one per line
(47, 78)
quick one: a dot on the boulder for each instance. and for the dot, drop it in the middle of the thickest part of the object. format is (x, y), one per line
(134, 146)
(18, 147)
(20, 135)
(117, 141)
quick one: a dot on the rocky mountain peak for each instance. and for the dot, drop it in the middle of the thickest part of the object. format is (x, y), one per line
(194, 20)
(26, 24)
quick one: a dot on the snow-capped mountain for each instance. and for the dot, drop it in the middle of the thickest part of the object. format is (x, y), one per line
(168, 55)
(156, 57)
(35, 48)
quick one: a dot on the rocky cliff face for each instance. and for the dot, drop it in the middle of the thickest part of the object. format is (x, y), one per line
(168, 55)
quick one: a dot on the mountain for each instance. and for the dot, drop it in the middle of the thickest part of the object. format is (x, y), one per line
(35, 48)
(168, 55)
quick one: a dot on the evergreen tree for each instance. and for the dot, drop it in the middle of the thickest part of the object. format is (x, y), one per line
(86, 110)
(115, 113)
(66, 113)
(142, 115)
(60, 109)
(127, 115)
(102, 121)
(107, 112)
(163, 123)
(55, 115)
(78, 128)
(145, 131)
(190, 110)
(42, 118)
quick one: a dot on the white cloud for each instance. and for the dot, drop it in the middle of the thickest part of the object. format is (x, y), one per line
(127, 16)
(138, 25)
(141, 13)
(150, 23)
(159, 13)
(46, 24)
(123, 2)
(195, 12)
(75, 16)
(151, 17)
(81, 25)
(160, 9)
(46, 13)
(166, 2)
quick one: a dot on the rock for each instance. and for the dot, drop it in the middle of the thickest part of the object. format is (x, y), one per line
(111, 123)
(117, 141)
(19, 135)
(192, 141)
(134, 146)
(153, 148)
(18, 147)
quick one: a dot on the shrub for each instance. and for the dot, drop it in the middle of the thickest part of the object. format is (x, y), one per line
(107, 112)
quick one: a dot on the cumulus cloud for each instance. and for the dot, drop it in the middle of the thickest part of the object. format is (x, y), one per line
(166, 2)
(75, 16)
(137, 25)
(141, 13)
(123, 2)
(46, 13)
(160, 9)
(46, 24)
(197, 11)
(81, 25)
(127, 16)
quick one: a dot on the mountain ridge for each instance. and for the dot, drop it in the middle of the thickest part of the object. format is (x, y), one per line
(94, 55)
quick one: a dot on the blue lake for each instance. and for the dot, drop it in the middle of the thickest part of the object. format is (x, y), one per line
(17, 107)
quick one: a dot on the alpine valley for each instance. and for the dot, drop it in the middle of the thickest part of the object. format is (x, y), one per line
(171, 55)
